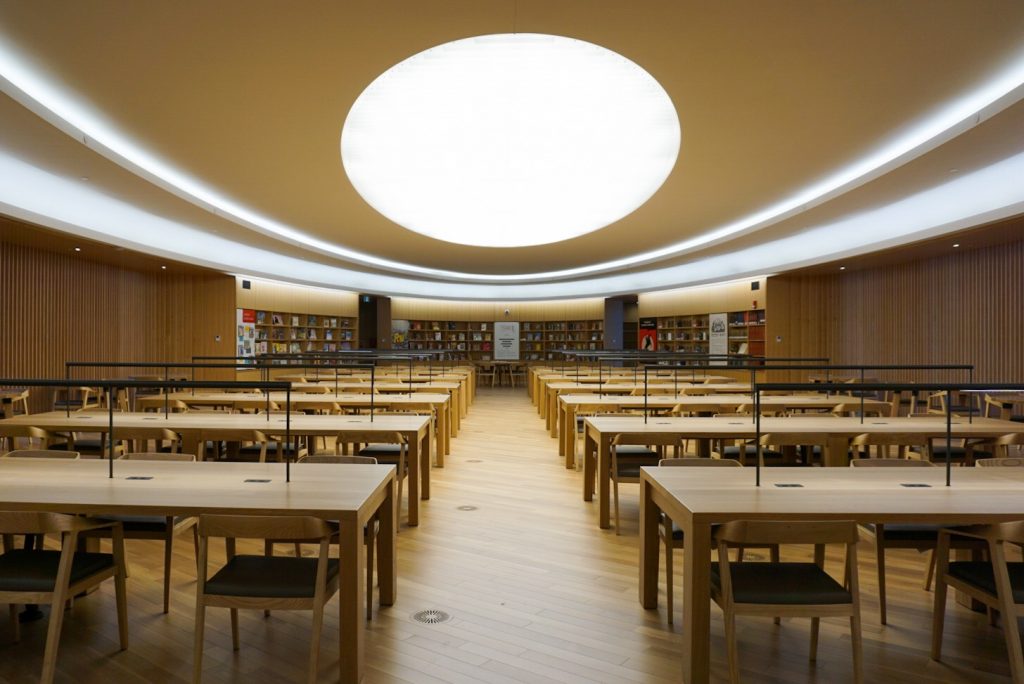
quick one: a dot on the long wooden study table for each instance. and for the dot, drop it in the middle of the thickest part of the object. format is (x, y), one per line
(570, 404)
(197, 427)
(838, 431)
(697, 498)
(553, 389)
(459, 398)
(248, 401)
(351, 495)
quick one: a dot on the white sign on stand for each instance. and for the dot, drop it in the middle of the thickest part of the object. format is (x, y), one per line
(718, 340)
(506, 340)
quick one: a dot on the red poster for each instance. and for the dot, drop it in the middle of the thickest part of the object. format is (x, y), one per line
(647, 334)
(248, 315)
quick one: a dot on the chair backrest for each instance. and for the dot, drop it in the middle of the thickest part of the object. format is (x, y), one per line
(793, 438)
(277, 527)
(890, 439)
(999, 462)
(788, 532)
(889, 463)
(700, 462)
(41, 522)
(158, 456)
(329, 458)
(42, 453)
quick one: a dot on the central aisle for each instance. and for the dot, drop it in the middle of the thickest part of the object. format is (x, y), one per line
(535, 591)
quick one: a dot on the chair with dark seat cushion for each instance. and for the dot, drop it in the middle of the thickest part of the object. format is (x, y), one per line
(33, 576)
(920, 537)
(269, 582)
(672, 535)
(388, 448)
(786, 588)
(370, 532)
(160, 527)
(630, 452)
(996, 583)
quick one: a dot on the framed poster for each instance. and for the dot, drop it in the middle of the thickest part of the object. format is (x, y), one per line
(399, 334)
(718, 339)
(506, 340)
(245, 341)
(647, 335)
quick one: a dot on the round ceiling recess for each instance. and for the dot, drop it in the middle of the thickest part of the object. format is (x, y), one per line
(510, 140)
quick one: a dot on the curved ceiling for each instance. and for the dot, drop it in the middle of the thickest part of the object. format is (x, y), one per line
(243, 109)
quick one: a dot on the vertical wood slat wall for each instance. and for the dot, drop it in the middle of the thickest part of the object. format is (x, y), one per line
(56, 307)
(966, 307)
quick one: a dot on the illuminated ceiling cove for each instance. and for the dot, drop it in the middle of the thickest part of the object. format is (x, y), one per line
(749, 141)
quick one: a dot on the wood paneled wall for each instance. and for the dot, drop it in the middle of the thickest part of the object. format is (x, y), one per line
(724, 297)
(271, 296)
(965, 307)
(410, 308)
(55, 307)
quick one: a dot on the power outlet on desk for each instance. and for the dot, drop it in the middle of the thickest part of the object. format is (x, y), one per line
(914, 484)
(139, 477)
(256, 480)
(788, 484)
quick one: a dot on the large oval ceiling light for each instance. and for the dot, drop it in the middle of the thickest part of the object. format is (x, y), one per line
(510, 140)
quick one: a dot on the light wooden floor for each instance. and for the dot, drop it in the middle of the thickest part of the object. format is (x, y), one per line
(537, 594)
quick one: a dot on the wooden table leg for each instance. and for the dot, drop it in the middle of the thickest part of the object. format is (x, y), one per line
(387, 563)
(696, 601)
(351, 606)
(649, 547)
(836, 451)
(604, 482)
(425, 465)
(568, 434)
(413, 481)
(589, 463)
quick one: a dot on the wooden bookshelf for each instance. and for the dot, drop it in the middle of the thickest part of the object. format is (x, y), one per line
(542, 340)
(538, 340)
(689, 333)
(468, 339)
(286, 332)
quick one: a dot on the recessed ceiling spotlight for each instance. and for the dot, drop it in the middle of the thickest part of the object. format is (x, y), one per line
(85, 178)
(163, 268)
(842, 268)
(954, 170)
(956, 244)
(78, 249)
(510, 140)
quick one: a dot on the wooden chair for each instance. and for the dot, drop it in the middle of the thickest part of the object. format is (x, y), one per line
(389, 448)
(1000, 448)
(671, 534)
(76, 398)
(43, 453)
(370, 532)
(771, 443)
(486, 372)
(920, 537)
(515, 372)
(252, 444)
(160, 527)
(33, 576)
(996, 407)
(631, 451)
(994, 582)
(269, 582)
(902, 441)
(142, 436)
(787, 588)
(31, 437)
